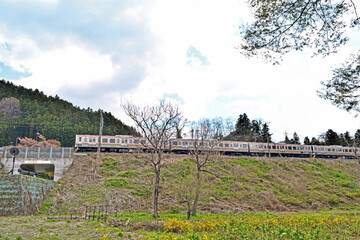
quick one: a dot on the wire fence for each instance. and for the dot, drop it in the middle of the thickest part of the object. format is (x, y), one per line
(93, 213)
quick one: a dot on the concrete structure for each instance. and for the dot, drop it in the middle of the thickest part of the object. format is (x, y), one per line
(39, 159)
(22, 195)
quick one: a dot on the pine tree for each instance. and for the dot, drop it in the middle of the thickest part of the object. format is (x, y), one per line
(306, 140)
(243, 127)
(295, 139)
(332, 138)
(265, 133)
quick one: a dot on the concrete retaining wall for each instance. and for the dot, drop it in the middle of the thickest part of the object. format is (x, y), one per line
(22, 195)
(59, 157)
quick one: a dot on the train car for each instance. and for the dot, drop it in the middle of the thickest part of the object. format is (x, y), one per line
(117, 143)
(126, 143)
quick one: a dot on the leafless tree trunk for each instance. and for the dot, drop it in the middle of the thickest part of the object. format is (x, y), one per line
(202, 133)
(157, 124)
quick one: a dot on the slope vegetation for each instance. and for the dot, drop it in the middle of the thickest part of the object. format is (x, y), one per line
(242, 184)
(24, 112)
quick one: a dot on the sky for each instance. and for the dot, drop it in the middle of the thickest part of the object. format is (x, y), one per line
(96, 53)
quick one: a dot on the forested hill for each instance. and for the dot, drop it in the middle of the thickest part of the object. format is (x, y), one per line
(25, 112)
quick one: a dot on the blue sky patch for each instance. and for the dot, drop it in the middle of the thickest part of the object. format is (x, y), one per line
(8, 73)
(194, 55)
(173, 96)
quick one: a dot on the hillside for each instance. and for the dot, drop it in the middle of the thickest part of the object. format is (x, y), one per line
(245, 184)
(24, 112)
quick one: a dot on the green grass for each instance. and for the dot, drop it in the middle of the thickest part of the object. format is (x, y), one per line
(261, 225)
(243, 183)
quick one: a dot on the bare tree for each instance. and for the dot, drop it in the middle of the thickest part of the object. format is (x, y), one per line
(157, 124)
(202, 134)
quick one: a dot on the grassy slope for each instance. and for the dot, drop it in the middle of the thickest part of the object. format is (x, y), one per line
(246, 184)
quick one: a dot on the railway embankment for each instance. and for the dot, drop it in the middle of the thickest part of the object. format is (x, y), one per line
(236, 184)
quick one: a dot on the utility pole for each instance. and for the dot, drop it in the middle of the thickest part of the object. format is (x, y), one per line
(99, 146)
(100, 133)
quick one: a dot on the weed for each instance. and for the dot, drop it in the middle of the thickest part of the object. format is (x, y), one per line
(128, 174)
(116, 182)
(121, 234)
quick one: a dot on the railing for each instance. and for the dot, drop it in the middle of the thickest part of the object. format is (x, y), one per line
(40, 152)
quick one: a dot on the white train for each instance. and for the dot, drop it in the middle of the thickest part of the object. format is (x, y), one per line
(126, 143)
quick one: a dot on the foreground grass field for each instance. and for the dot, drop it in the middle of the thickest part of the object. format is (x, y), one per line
(253, 198)
(326, 225)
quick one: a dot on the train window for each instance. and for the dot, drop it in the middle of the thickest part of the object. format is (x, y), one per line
(281, 147)
(245, 146)
(236, 145)
(294, 148)
(79, 139)
(290, 148)
(221, 145)
(117, 140)
(273, 147)
(130, 141)
(174, 143)
(112, 140)
(105, 140)
(190, 143)
(226, 145)
(136, 141)
(85, 139)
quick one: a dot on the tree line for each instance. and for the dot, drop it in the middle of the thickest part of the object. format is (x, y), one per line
(28, 113)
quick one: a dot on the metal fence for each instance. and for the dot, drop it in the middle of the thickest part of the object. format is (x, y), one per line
(40, 152)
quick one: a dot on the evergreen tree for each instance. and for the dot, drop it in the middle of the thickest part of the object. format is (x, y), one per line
(25, 112)
(295, 139)
(287, 140)
(306, 140)
(255, 130)
(243, 127)
(265, 133)
(315, 141)
(348, 139)
(357, 138)
(332, 138)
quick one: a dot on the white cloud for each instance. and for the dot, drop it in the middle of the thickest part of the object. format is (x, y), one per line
(148, 60)
(70, 66)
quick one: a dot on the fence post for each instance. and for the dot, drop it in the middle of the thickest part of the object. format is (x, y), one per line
(94, 210)
(105, 212)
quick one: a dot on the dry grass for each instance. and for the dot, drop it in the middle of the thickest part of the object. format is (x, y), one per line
(246, 184)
